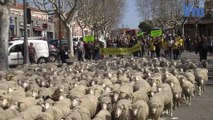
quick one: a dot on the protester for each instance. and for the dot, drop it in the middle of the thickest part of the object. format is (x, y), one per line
(63, 55)
(188, 43)
(80, 51)
(175, 49)
(32, 53)
(152, 48)
(157, 44)
(142, 43)
(170, 45)
(203, 48)
(96, 55)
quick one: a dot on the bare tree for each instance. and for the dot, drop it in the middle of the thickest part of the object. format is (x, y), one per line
(4, 32)
(67, 14)
(169, 13)
(101, 15)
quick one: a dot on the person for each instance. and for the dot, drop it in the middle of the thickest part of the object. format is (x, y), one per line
(170, 44)
(203, 48)
(175, 48)
(63, 55)
(152, 48)
(96, 55)
(157, 45)
(32, 53)
(81, 51)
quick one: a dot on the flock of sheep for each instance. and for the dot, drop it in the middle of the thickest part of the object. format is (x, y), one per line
(111, 89)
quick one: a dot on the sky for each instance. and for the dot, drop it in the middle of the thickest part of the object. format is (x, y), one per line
(131, 16)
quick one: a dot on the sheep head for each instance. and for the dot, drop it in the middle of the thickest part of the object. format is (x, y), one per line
(119, 110)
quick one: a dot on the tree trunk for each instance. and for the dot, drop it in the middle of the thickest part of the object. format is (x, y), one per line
(4, 32)
(183, 30)
(70, 40)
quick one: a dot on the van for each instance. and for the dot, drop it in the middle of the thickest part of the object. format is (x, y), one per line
(15, 47)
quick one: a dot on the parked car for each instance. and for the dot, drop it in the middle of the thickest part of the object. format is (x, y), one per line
(64, 42)
(15, 48)
(53, 57)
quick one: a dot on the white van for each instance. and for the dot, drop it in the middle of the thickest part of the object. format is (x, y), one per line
(15, 48)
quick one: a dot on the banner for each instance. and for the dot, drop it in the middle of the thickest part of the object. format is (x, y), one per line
(139, 34)
(120, 51)
(89, 38)
(156, 33)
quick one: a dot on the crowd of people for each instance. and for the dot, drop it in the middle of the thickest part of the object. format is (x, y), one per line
(155, 47)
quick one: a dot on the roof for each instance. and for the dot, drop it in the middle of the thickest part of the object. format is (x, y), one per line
(20, 6)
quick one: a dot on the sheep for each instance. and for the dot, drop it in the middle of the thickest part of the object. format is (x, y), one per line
(140, 95)
(103, 115)
(8, 114)
(160, 101)
(188, 91)
(177, 94)
(26, 103)
(124, 91)
(29, 114)
(6, 103)
(79, 113)
(155, 79)
(190, 77)
(172, 81)
(203, 64)
(77, 92)
(140, 110)
(121, 110)
(58, 94)
(201, 76)
(141, 85)
(89, 102)
(60, 110)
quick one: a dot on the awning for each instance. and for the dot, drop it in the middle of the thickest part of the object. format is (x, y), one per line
(37, 28)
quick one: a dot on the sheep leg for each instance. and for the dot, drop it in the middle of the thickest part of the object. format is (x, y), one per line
(189, 101)
(199, 90)
(170, 111)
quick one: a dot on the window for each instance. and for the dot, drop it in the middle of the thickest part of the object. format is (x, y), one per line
(16, 48)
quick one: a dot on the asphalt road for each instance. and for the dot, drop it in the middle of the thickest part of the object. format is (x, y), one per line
(202, 106)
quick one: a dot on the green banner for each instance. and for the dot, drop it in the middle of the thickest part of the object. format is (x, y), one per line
(156, 33)
(120, 51)
(139, 34)
(89, 38)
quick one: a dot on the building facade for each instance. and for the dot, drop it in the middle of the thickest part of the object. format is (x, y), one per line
(40, 25)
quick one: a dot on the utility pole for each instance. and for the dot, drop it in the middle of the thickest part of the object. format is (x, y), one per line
(59, 21)
(26, 55)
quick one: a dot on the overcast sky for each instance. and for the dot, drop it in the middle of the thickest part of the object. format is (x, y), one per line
(131, 16)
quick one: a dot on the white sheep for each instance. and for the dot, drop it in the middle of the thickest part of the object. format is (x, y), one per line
(201, 75)
(89, 102)
(177, 95)
(8, 114)
(160, 101)
(60, 110)
(79, 113)
(29, 114)
(140, 95)
(26, 103)
(190, 77)
(121, 110)
(141, 85)
(188, 91)
(103, 115)
(140, 110)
